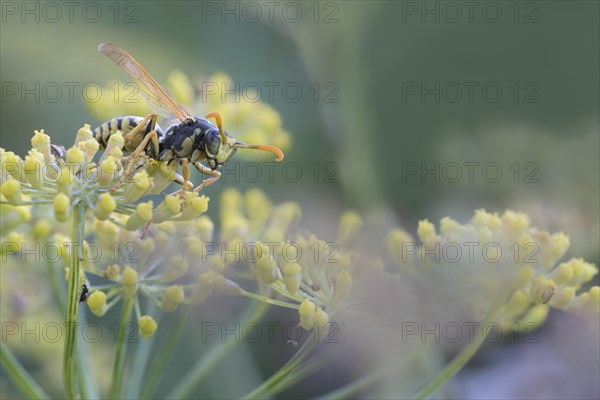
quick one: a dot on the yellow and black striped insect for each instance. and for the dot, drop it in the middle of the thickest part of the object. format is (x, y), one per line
(190, 140)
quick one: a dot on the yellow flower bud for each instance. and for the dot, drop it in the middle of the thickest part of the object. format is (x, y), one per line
(217, 263)
(292, 276)
(97, 303)
(563, 297)
(201, 291)
(42, 229)
(284, 215)
(234, 226)
(167, 209)
(129, 280)
(112, 272)
(350, 224)
(12, 165)
(322, 324)
(426, 231)
(307, 314)
(61, 207)
(142, 215)
(89, 148)
(172, 298)
(343, 285)
(146, 326)
(555, 247)
(108, 171)
(84, 134)
(542, 289)
(41, 142)
(138, 186)
(65, 180)
(13, 243)
(582, 271)
(11, 190)
(206, 283)
(115, 141)
(515, 223)
(105, 205)
(74, 156)
(34, 162)
(524, 275)
(176, 269)
(205, 228)
(267, 269)
(193, 206)
(194, 246)
(396, 243)
(484, 219)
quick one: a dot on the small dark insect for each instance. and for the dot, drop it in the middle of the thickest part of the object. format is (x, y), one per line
(84, 293)
(315, 288)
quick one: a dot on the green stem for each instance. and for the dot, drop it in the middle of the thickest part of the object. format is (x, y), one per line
(120, 351)
(143, 352)
(71, 317)
(216, 353)
(458, 362)
(296, 376)
(355, 387)
(265, 299)
(283, 373)
(19, 375)
(164, 357)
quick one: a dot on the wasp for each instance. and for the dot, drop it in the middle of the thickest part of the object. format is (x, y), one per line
(191, 140)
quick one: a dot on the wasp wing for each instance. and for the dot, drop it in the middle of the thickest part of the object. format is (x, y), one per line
(133, 68)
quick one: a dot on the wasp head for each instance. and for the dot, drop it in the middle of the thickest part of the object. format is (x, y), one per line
(220, 148)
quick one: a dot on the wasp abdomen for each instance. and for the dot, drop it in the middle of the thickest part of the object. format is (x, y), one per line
(124, 124)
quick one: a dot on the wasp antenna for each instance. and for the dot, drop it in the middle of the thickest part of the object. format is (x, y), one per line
(270, 149)
(219, 122)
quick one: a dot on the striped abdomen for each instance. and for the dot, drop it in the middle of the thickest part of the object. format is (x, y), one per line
(124, 124)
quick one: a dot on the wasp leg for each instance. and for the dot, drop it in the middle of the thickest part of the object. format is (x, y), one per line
(184, 180)
(218, 120)
(206, 171)
(146, 125)
(151, 136)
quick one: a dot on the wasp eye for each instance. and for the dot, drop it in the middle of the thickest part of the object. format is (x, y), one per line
(213, 143)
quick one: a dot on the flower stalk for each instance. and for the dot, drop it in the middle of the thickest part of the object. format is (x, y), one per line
(71, 317)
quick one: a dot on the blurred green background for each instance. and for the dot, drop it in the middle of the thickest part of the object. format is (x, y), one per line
(370, 53)
(543, 55)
